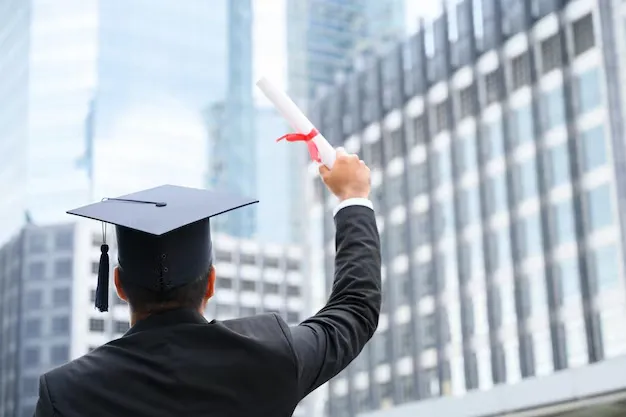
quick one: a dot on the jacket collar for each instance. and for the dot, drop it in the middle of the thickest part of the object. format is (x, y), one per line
(166, 319)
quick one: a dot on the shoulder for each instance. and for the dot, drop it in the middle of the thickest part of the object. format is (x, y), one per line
(269, 326)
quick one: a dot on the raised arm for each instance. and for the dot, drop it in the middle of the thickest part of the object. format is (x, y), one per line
(327, 342)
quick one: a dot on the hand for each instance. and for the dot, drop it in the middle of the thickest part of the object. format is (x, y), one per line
(349, 177)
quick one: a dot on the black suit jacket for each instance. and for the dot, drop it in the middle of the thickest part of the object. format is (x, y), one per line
(178, 364)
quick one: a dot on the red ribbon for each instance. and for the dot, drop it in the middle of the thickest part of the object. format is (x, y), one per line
(308, 138)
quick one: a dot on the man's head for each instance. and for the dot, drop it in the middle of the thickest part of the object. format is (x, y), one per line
(143, 302)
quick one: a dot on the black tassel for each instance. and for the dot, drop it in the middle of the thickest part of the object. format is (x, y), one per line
(102, 290)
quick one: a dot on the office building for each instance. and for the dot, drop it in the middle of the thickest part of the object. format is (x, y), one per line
(48, 278)
(494, 139)
(48, 74)
(325, 37)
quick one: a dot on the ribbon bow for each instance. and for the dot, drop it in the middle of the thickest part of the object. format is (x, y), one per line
(308, 138)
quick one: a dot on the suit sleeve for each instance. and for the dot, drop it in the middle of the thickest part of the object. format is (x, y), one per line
(44, 404)
(326, 343)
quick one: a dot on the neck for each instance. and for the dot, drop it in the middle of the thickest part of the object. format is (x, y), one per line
(137, 316)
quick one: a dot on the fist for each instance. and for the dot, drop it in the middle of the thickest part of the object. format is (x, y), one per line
(349, 177)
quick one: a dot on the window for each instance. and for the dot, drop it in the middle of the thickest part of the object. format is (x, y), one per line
(247, 285)
(32, 357)
(33, 299)
(271, 288)
(492, 87)
(30, 387)
(492, 145)
(63, 268)
(247, 259)
(394, 188)
(466, 102)
(121, 326)
(495, 307)
(529, 236)
(441, 167)
(223, 256)
(593, 148)
(419, 131)
(469, 210)
(527, 355)
(525, 180)
(293, 291)
(36, 271)
(495, 193)
(551, 53)
(37, 243)
(563, 227)
(32, 328)
(60, 325)
(93, 296)
(520, 71)
(557, 161)
(471, 371)
(96, 325)
(584, 38)
(421, 229)
(397, 239)
(465, 155)
(372, 154)
(498, 359)
(407, 388)
(599, 212)
(59, 354)
(64, 240)
(405, 340)
(467, 319)
(293, 317)
(271, 263)
(95, 266)
(589, 91)
(418, 180)
(381, 346)
(605, 262)
(552, 108)
(521, 126)
(524, 296)
(61, 297)
(293, 265)
(429, 331)
(224, 283)
(395, 144)
(426, 280)
(441, 117)
(430, 386)
(567, 278)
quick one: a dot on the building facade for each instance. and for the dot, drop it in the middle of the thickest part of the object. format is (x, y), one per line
(494, 139)
(324, 38)
(48, 56)
(48, 278)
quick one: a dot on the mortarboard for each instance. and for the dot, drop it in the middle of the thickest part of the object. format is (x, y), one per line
(163, 235)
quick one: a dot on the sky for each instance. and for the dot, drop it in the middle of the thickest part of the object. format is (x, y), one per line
(270, 34)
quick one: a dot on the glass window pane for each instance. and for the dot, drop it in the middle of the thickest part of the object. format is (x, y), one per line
(558, 165)
(599, 212)
(606, 267)
(553, 108)
(563, 223)
(589, 91)
(526, 180)
(567, 274)
(593, 148)
(521, 126)
(492, 141)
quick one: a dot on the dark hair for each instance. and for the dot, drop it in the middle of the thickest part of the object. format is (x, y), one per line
(142, 300)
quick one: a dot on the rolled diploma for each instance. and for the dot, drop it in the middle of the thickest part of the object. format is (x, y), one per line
(298, 121)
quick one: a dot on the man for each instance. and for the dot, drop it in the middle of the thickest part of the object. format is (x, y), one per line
(172, 362)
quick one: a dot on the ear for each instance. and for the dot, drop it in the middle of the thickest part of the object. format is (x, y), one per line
(210, 288)
(118, 285)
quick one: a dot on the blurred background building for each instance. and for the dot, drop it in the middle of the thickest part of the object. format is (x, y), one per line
(48, 278)
(494, 137)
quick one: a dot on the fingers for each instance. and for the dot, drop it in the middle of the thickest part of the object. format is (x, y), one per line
(323, 170)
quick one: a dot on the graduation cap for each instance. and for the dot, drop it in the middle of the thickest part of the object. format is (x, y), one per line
(163, 235)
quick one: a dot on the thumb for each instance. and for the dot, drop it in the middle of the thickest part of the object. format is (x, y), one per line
(323, 170)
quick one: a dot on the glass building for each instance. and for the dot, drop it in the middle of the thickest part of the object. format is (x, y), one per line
(48, 74)
(325, 36)
(494, 139)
